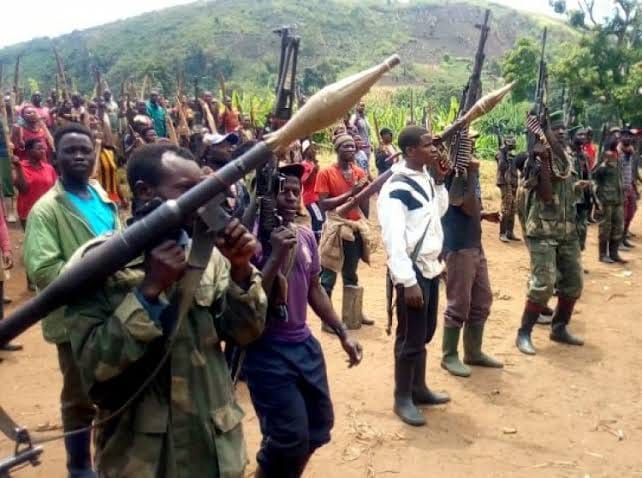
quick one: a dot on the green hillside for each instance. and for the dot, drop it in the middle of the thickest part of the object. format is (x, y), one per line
(233, 37)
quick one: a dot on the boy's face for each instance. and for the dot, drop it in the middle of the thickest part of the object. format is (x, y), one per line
(287, 201)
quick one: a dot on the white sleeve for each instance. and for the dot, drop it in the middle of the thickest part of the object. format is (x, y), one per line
(392, 218)
(441, 195)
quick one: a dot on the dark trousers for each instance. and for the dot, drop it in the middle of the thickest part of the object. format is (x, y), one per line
(352, 251)
(416, 327)
(317, 217)
(289, 390)
(76, 408)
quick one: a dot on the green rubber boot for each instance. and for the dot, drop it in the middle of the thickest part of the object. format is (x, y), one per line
(450, 358)
(473, 355)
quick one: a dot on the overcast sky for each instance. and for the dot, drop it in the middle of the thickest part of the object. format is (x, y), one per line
(55, 17)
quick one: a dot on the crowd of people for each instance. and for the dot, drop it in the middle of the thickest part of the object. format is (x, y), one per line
(81, 170)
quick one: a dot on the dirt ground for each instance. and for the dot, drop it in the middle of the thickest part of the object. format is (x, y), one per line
(567, 412)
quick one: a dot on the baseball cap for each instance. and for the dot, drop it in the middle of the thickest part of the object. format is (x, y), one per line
(217, 138)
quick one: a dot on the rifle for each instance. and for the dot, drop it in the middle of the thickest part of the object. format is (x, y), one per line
(534, 131)
(600, 150)
(268, 182)
(321, 111)
(461, 146)
(284, 104)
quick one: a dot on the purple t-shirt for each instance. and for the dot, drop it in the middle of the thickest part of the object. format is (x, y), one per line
(306, 265)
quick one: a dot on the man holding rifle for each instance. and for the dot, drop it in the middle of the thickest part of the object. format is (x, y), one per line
(285, 369)
(185, 417)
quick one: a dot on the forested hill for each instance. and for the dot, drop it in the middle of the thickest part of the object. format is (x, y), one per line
(234, 38)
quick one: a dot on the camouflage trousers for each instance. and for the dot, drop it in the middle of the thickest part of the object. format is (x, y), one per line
(582, 223)
(555, 265)
(612, 226)
(508, 201)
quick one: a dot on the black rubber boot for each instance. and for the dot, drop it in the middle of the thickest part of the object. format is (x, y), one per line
(529, 318)
(421, 394)
(502, 230)
(559, 331)
(404, 406)
(614, 252)
(604, 257)
(626, 242)
(79, 455)
(510, 228)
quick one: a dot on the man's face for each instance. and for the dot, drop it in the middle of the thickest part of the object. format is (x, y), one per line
(75, 157)
(150, 136)
(386, 138)
(627, 140)
(361, 108)
(141, 108)
(228, 103)
(207, 97)
(346, 151)
(287, 201)
(36, 99)
(358, 142)
(38, 152)
(560, 133)
(75, 100)
(180, 175)
(580, 138)
(246, 123)
(29, 114)
(426, 151)
(154, 98)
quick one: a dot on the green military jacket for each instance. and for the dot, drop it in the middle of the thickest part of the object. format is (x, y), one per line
(554, 221)
(609, 184)
(55, 230)
(186, 423)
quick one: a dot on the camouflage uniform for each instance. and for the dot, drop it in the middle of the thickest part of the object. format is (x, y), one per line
(552, 236)
(186, 423)
(583, 205)
(506, 181)
(611, 195)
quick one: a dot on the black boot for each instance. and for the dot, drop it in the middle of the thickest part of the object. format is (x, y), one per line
(627, 243)
(404, 406)
(510, 227)
(421, 394)
(529, 318)
(614, 252)
(79, 455)
(502, 230)
(559, 331)
(604, 257)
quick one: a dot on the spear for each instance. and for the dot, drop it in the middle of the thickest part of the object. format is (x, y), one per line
(16, 81)
(61, 73)
(103, 260)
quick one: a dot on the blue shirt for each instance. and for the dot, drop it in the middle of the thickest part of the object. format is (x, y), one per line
(99, 214)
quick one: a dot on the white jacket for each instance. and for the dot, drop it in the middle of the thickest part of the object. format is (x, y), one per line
(404, 215)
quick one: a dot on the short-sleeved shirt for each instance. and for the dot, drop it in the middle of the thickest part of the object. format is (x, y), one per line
(305, 266)
(308, 181)
(98, 214)
(39, 180)
(331, 181)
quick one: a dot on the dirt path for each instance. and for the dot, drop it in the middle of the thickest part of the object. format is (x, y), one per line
(566, 412)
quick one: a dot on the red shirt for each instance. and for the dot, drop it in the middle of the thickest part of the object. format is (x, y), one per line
(40, 179)
(331, 181)
(309, 181)
(591, 153)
